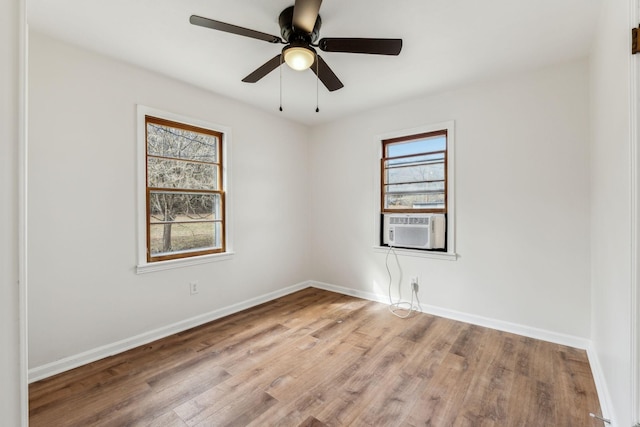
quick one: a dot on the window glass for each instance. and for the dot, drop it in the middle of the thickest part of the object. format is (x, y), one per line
(414, 172)
(185, 198)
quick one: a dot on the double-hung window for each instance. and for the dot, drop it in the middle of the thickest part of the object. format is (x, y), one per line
(185, 197)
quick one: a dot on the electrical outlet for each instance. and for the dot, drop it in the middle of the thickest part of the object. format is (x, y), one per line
(193, 288)
(414, 284)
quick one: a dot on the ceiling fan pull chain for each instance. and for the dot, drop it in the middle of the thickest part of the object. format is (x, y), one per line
(317, 83)
(281, 83)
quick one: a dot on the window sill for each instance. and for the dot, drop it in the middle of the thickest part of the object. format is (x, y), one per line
(448, 256)
(182, 262)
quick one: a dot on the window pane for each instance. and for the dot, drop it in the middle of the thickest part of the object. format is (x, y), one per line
(416, 160)
(168, 141)
(414, 201)
(423, 172)
(164, 173)
(184, 236)
(434, 143)
(416, 187)
(183, 207)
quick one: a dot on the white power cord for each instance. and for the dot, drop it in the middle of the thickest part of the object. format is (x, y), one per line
(395, 307)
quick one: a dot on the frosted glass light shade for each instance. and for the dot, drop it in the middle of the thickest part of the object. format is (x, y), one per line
(299, 58)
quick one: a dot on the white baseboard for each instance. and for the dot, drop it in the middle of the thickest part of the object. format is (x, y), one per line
(601, 385)
(62, 365)
(527, 331)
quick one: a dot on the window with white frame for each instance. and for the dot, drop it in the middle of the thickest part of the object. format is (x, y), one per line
(416, 188)
(184, 188)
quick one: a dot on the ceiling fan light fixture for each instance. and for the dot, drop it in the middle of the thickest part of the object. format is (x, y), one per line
(299, 58)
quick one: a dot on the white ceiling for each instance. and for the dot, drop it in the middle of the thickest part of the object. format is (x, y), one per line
(446, 43)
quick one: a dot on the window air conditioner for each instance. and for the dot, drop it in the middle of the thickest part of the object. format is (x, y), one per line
(419, 231)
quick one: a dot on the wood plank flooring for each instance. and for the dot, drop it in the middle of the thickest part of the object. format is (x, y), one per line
(317, 358)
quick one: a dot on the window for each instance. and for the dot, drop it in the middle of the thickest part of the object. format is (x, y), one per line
(182, 203)
(416, 210)
(414, 173)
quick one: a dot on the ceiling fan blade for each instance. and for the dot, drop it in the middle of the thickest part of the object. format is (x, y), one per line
(233, 29)
(326, 75)
(263, 70)
(360, 45)
(305, 14)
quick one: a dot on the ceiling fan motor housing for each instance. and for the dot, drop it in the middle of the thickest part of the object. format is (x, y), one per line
(292, 35)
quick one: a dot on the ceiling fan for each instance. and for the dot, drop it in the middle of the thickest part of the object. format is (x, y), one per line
(299, 28)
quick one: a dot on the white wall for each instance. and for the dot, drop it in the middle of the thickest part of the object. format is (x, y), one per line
(610, 206)
(84, 292)
(522, 200)
(10, 390)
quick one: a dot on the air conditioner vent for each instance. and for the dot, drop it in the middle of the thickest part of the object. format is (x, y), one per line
(406, 219)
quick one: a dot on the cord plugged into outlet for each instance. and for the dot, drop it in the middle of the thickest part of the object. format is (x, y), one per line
(414, 284)
(402, 309)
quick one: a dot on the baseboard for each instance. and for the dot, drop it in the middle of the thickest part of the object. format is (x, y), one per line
(601, 385)
(62, 365)
(527, 331)
(348, 291)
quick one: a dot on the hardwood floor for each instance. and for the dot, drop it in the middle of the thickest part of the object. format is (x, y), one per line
(317, 358)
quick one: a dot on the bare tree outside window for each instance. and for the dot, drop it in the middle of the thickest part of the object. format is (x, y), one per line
(184, 190)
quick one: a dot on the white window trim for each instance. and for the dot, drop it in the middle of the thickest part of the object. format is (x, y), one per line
(451, 254)
(146, 267)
